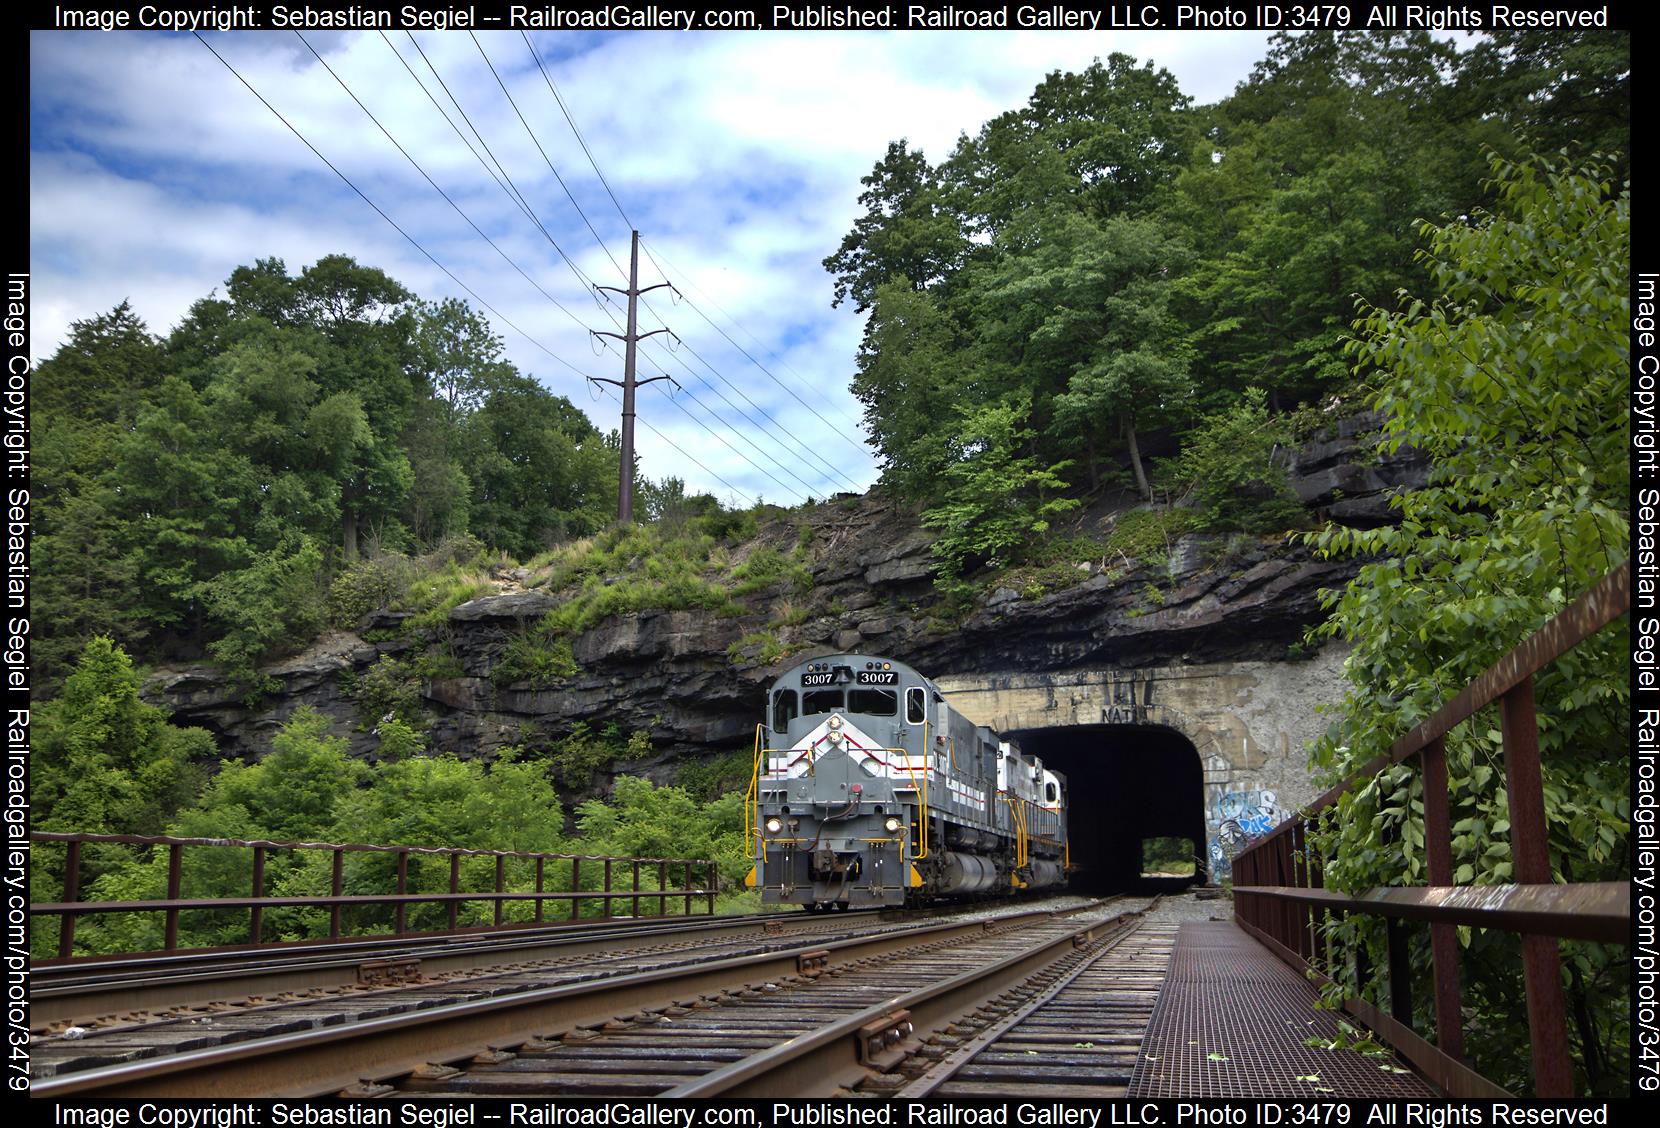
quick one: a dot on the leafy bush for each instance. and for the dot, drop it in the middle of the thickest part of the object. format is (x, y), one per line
(388, 689)
(535, 660)
(993, 500)
(366, 587)
(432, 597)
(581, 753)
(1226, 469)
(1146, 536)
(273, 603)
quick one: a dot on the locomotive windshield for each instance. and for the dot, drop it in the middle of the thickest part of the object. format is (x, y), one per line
(820, 701)
(875, 702)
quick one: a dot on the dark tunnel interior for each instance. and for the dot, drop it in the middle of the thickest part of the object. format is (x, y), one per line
(1125, 783)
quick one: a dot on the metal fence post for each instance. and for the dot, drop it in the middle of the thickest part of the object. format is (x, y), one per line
(256, 915)
(403, 887)
(336, 885)
(455, 887)
(174, 866)
(71, 894)
(1553, 1074)
(1443, 938)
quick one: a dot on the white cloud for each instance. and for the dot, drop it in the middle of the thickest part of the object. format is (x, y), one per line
(154, 173)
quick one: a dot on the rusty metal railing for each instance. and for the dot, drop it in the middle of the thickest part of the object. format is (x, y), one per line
(698, 877)
(1278, 894)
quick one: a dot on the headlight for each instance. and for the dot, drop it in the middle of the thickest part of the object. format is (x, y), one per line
(774, 824)
(835, 721)
(893, 824)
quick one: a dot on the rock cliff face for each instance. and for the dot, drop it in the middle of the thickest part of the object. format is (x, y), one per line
(683, 677)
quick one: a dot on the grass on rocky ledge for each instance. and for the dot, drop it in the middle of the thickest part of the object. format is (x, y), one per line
(662, 568)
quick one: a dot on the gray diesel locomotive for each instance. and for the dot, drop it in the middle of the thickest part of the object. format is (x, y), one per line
(869, 789)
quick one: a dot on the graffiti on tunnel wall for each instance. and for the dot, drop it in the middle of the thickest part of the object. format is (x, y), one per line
(1239, 817)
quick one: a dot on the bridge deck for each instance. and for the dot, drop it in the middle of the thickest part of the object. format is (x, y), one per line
(1231, 1022)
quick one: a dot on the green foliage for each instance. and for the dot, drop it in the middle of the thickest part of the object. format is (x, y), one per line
(275, 602)
(104, 761)
(1514, 381)
(432, 597)
(535, 660)
(1226, 470)
(646, 821)
(366, 587)
(309, 789)
(766, 646)
(994, 501)
(707, 778)
(198, 493)
(636, 568)
(1168, 855)
(390, 689)
(582, 752)
(1142, 537)
(766, 566)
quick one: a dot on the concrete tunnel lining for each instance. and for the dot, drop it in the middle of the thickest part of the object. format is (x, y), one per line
(1125, 783)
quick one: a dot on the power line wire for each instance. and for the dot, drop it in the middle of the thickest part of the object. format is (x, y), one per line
(439, 189)
(378, 211)
(761, 428)
(576, 131)
(834, 427)
(509, 96)
(579, 138)
(519, 197)
(730, 447)
(610, 395)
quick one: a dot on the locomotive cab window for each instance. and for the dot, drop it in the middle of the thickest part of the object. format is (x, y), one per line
(820, 701)
(783, 709)
(915, 705)
(875, 702)
(1051, 794)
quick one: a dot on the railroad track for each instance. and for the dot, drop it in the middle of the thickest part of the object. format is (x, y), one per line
(93, 992)
(326, 1040)
(1073, 1031)
(153, 986)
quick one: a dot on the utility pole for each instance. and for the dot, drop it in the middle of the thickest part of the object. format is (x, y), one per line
(625, 472)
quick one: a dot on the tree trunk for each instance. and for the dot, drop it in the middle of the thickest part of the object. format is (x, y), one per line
(348, 532)
(1145, 490)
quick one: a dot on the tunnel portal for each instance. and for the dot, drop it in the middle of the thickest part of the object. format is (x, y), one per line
(1125, 784)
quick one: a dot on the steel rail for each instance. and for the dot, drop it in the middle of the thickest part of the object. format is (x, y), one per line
(324, 1061)
(945, 1069)
(83, 991)
(818, 1063)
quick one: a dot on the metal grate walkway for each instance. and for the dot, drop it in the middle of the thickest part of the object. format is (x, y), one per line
(1231, 1021)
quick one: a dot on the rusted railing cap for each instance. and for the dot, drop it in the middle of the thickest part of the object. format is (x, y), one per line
(1591, 910)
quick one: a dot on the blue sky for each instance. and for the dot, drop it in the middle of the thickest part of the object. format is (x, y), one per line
(154, 173)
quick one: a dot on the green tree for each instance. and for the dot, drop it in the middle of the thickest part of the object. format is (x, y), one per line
(538, 470)
(994, 499)
(1513, 380)
(1105, 141)
(908, 231)
(1227, 471)
(105, 762)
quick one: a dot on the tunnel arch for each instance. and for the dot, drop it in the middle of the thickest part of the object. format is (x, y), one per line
(1125, 783)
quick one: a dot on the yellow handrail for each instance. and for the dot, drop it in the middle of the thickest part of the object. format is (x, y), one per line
(922, 800)
(752, 798)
